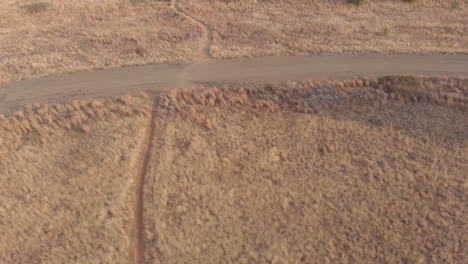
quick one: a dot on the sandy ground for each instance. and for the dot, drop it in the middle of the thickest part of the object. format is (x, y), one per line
(314, 174)
(265, 27)
(67, 194)
(80, 35)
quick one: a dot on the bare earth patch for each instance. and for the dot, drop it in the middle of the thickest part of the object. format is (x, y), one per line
(314, 173)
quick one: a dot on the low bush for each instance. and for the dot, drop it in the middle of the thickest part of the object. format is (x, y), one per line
(36, 7)
(356, 2)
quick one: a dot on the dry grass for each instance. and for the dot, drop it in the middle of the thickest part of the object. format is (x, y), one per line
(41, 123)
(258, 28)
(67, 184)
(365, 171)
(77, 35)
(372, 175)
(39, 38)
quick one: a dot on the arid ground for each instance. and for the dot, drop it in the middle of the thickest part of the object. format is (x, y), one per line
(39, 38)
(76, 35)
(366, 171)
(310, 174)
(68, 182)
(274, 27)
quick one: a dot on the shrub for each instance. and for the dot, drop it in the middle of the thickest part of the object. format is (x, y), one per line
(456, 6)
(386, 31)
(36, 7)
(356, 2)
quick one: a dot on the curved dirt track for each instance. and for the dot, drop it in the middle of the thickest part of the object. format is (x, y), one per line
(256, 70)
(207, 34)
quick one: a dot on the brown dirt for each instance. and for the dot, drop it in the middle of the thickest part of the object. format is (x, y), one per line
(315, 173)
(142, 171)
(161, 77)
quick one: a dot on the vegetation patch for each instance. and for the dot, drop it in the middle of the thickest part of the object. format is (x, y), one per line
(37, 7)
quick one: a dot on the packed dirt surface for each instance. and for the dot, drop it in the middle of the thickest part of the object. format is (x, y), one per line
(364, 170)
(160, 77)
(40, 38)
(310, 173)
(245, 28)
(68, 182)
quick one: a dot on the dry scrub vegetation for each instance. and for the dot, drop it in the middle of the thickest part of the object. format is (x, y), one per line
(67, 181)
(39, 38)
(360, 171)
(366, 171)
(266, 27)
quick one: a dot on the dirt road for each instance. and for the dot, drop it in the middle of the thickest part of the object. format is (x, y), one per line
(257, 70)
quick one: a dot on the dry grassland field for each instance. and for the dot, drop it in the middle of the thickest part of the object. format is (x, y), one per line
(310, 174)
(39, 38)
(68, 182)
(273, 27)
(367, 170)
(356, 171)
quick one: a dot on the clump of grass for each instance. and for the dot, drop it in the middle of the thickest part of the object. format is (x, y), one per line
(37, 7)
(386, 31)
(456, 6)
(356, 2)
(141, 51)
(136, 2)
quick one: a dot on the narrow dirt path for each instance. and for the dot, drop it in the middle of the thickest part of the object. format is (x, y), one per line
(139, 246)
(207, 33)
(2, 94)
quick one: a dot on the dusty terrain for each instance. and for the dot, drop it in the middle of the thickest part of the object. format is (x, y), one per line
(349, 171)
(335, 173)
(40, 38)
(267, 27)
(365, 170)
(77, 35)
(68, 182)
(161, 77)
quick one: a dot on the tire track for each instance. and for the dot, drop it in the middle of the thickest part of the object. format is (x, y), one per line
(3, 94)
(139, 246)
(207, 33)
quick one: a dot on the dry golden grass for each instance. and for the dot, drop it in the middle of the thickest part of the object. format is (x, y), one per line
(77, 35)
(368, 175)
(68, 182)
(266, 27)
